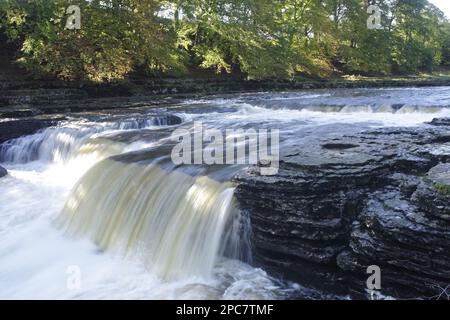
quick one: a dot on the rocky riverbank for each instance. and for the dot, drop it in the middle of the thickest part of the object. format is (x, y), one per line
(381, 198)
(26, 97)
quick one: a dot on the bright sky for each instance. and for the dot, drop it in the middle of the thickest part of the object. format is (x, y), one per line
(444, 5)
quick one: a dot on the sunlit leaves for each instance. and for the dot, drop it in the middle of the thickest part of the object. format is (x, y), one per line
(259, 38)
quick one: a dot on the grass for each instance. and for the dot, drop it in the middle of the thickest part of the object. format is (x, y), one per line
(442, 188)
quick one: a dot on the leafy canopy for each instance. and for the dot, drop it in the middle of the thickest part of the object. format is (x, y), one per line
(260, 38)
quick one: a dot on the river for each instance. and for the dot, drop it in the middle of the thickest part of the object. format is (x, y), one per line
(97, 197)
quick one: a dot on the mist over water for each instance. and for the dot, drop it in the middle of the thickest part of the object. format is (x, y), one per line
(99, 192)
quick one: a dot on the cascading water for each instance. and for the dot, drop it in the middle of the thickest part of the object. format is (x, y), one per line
(174, 221)
(99, 195)
(179, 228)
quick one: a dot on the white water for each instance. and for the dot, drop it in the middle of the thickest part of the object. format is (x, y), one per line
(70, 141)
(173, 221)
(136, 231)
(37, 255)
(406, 117)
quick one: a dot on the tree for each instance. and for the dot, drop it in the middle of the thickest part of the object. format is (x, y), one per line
(116, 36)
(446, 44)
(260, 38)
(417, 35)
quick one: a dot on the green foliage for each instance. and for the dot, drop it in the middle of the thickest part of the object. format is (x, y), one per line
(446, 44)
(115, 37)
(417, 36)
(442, 188)
(261, 38)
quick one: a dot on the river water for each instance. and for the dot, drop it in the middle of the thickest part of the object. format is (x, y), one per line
(94, 208)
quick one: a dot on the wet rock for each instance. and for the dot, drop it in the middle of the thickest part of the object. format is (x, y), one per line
(3, 172)
(440, 122)
(433, 194)
(339, 146)
(379, 197)
(167, 120)
(411, 249)
(149, 120)
(17, 128)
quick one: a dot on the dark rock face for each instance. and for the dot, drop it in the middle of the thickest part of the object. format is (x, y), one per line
(433, 194)
(3, 172)
(167, 120)
(381, 198)
(17, 128)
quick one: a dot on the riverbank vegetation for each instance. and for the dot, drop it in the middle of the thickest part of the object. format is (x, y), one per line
(255, 39)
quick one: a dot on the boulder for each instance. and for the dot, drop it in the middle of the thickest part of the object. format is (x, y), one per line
(3, 172)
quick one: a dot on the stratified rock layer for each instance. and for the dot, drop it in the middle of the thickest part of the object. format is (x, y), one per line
(17, 128)
(336, 207)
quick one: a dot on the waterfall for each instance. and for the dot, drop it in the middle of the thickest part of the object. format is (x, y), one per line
(178, 224)
(60, 144)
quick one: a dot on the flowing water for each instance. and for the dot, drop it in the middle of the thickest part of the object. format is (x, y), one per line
(97, 198)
